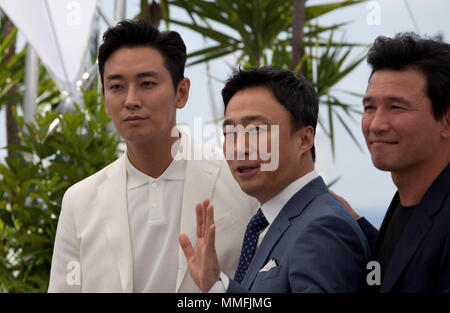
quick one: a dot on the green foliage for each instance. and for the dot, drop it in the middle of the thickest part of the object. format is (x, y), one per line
(12, 69)
(57, 151)
(12, 74)
(331, 66)
(254, 28)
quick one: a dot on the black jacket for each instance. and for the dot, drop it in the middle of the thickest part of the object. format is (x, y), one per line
(421, 261)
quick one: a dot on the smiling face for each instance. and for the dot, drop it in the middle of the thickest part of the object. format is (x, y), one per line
(398, 123)
(139, 94)
(252, 108)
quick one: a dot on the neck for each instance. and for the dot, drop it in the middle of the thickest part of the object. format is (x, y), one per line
(412, 184)
(306, 166)
(151, 158)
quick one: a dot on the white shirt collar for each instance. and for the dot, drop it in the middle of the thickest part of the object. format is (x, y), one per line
(273, 207)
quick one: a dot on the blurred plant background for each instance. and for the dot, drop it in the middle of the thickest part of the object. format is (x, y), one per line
(56, 151)
(60, 148)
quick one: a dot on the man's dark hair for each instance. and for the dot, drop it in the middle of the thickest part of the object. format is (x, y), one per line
(408, 50)
(128, 33)
(294, 92)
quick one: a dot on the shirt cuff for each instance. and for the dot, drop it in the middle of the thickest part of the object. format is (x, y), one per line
(221, 285)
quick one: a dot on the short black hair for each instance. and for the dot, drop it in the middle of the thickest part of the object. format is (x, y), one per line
(134, 33)
(408, 50)
(294, 92)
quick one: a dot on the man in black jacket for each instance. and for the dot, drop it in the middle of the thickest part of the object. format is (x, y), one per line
(406, 125)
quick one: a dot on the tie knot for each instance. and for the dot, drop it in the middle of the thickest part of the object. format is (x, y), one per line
(258, 222)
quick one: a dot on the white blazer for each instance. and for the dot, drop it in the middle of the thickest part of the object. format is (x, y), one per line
(93, 228)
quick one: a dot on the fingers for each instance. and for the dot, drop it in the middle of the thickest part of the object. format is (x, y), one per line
(211, 227)
(211, 237)
(200, 219)
(205, 217)
(209, 215)
(186, 246)
(205, 203)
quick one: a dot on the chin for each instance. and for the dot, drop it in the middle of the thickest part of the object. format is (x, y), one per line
(382, 165)
(250, 190)
(383, 168)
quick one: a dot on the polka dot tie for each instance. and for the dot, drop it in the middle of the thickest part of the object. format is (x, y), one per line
(254, 228)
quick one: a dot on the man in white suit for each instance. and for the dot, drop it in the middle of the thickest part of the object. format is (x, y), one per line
(118, 229)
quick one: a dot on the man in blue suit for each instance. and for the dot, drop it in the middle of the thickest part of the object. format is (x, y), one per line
(406, 124)
(302, 239)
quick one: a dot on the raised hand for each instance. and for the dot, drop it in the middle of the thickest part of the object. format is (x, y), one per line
(202, 262)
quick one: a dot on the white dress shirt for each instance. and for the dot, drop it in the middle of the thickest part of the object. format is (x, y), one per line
(154, 211)
(270, 210)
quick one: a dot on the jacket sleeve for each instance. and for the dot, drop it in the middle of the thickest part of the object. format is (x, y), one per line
(65, 274)
(369, 230)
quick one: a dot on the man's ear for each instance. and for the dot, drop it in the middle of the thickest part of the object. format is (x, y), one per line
(182, 92)
(446, 121)
(305, 139)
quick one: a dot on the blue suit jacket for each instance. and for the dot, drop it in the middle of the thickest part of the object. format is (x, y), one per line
(316, 243)
(421, 261)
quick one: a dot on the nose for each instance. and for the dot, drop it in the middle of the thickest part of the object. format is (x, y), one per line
(379, 121)
(241, 146)
(132, 100)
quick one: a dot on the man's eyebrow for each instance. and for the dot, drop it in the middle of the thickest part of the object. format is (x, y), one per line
(114, 76)
(139, 75)
(227, 122)
(397, 99)
(388, 99)
(366, 99)
(248, 119)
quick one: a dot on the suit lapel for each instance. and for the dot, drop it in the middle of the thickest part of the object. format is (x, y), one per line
(199, 181)
(294, 207)
(113, 204)
(416, 229)
(412, 236)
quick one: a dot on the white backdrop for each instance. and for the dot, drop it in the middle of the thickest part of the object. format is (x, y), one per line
(58, 30)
